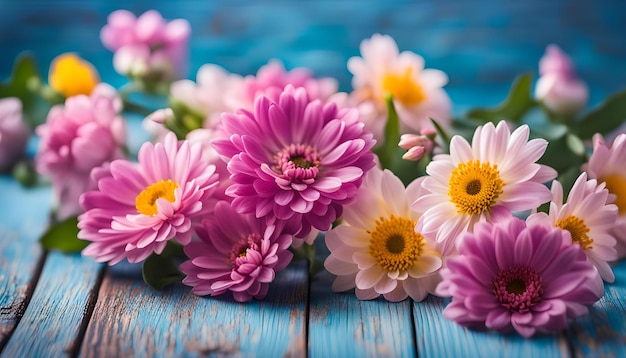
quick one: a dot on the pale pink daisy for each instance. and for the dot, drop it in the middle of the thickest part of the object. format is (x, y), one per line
(512, 277)
(587, 217)
(295, 159)
(236, 252)
(607, 165)
(138, 208)
(498, 168)
(376, 249)
(417, 92)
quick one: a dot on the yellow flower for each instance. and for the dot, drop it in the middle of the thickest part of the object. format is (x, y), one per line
(70, 75)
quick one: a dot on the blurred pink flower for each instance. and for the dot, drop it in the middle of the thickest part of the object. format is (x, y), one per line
(137, 209)
(83, 134)
(294, 158)
(14, 132)
(417, 92)
(237, 253)
(606, 164)
(558, 87)
(512, 277)
(147, 46)
(272, 79)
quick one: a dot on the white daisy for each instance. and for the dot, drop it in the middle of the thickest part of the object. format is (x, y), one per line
(607, 164)
(418, 93)
(588, 218)
(498, 168)
(376, 249)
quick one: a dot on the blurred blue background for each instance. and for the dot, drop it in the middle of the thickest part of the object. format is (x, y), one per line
(482, 45)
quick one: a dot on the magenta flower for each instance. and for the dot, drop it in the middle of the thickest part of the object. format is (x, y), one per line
(295, 159)
(512, 277)
(237, 253)
(147, 46)
(13, 132)
(85, 133)
(137, 209)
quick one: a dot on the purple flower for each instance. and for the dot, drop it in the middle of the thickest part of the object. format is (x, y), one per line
(509, 276)
(13, 132)
(295, 159)
(147, 46)
(237, 253)
(137, 209)
(85, 133)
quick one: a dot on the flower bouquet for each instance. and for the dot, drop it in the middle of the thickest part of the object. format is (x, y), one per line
(514, 212)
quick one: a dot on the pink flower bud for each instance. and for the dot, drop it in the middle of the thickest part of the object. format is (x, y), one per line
(559, 88)
(13, 132)
(416, 145)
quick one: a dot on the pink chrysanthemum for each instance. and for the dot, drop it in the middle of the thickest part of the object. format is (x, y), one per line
(83, 134)
(237, 253)
(512, 277)
(497, 169)
(587, 218)
(295, 159)
(376, 249)
(606, 164)
(137, 209)
(417, 92)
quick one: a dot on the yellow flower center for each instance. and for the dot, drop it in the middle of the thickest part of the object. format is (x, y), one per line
(70, 75)
(577, 228)
(474, 187)
(145, 202)
(394, 243)
(403, 88)
(616, 185)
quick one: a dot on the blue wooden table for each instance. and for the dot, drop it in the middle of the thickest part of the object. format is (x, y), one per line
(54, 304)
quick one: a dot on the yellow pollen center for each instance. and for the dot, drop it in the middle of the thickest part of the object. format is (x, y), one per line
(394, 243)
(616, 185)
(474, 187)
(577, 228)
(145, 202)
(403, 88)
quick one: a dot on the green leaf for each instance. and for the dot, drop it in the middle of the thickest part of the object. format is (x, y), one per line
(605, 118)
(23, 84)
(387, 151)
(159, 271)
(575, 144)
(307, 252)
(518, 102)
(63, 236)
(559, 155)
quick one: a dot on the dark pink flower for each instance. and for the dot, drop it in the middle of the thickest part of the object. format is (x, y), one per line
(237, 253)
(295, 159)
(512, 277)
(137, 209)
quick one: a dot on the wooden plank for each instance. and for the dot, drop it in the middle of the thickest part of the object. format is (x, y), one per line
(23, 218)
(603, 332)
(342, 326)
(131, 319)
(54, 321)
(438, 337)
